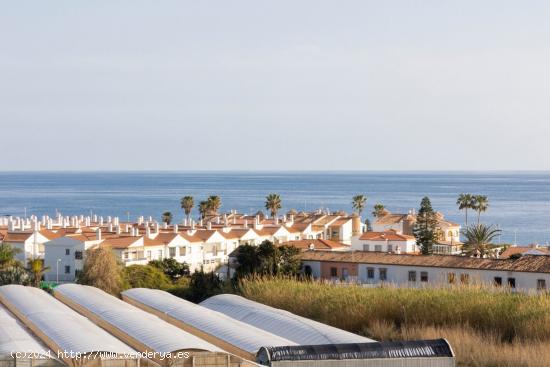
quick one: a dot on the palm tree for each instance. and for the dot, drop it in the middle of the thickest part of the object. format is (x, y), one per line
(203, 209)
(187, 204)
(480, 204)
(36, 270)
(358, 202)
(167, 217)
(465, 202)
(214, 204)
(478, 236)
(378, 210)
(273, 204)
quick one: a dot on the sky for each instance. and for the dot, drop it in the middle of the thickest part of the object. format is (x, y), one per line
(274, 85)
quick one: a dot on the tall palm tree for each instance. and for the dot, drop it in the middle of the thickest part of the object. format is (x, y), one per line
(478, 236)
(203, 208)
(358, 202)
(481, 204)
(167, 217)
(36, 270)
(214, 204)
(187, 204)
(465, 202)
(378, 210)
(273, 204)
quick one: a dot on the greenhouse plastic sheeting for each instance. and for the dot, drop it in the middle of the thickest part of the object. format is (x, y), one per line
(298, 329)
(234, 332)
(142, 326)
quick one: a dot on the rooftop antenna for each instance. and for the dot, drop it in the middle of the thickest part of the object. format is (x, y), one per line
(25, 208)
(128, 215)
(515, 237)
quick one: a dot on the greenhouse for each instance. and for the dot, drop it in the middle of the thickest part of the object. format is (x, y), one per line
(232, 335)
(166, 344)
(19, 347)
(287, 325)
(432, 353)
(71, 337)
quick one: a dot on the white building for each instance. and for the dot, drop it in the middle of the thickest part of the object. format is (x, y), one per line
(527, 273)
(389, 241)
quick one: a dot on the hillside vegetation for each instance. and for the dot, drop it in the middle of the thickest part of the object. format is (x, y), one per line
(485, 327)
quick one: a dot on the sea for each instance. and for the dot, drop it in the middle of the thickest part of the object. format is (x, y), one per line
(519, 202)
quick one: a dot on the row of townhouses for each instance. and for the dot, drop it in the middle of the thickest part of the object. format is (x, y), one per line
(63, 241)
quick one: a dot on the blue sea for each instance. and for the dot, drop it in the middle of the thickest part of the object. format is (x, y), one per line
(519, 202)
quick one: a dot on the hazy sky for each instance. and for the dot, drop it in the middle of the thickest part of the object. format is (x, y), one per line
(285, 85)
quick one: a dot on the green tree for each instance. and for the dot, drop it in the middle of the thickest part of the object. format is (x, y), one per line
(146, 276)
(425, 228)
(203, 209)
(11, 269)
(202, 285)
(289, 263)
(273, 204)
(171, 268)
(102, 270)
(481, 204)
(167, 217)
(36, 270)
(248, 261)
(214, 204)
(358, 203)
(7, 256)
(267, 259)
(187, 203)
(465, 202)
(378, 210)
(478, 237)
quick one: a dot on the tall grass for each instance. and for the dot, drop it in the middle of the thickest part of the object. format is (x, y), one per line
(486, 327)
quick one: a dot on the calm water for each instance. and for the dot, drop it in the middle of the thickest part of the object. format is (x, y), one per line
(519, 202)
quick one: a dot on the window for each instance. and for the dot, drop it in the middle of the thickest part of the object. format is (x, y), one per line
(383, 273)
(541, 284)
(307, 270)
(333, 272)
(512, 282)
(464, 278)
(345, 273)
(67, 269)
(498, 281)
(451, 277)
(159, 254)
(149, 254)
(67, 251)
(125, 255)
(378, 248)
(370, 273)
(366, 248)
(390, 248)
(412, 276)
(172, 251)
(423, 276)
(78, 255)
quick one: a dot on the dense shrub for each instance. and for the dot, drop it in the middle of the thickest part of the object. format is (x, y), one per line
(146, 276)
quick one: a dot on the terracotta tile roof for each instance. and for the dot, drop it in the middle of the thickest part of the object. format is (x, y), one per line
(383, 236)
(319, 244)
(152, 242)
(513, 250)
(340, 222)
(530, 264)
(166, 237)
(390, 219)
(120, 242)
(49, 234)
(17, 236)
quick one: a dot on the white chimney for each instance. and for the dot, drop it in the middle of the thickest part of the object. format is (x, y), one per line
(148, 232)
(192, 224)
(110, 227)
(209, 225)
(95, 218)
(164, 225)
(100, 221)
(98, 234)
(156, 226)
(109, 219)
(246, 223)
(117, 228)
